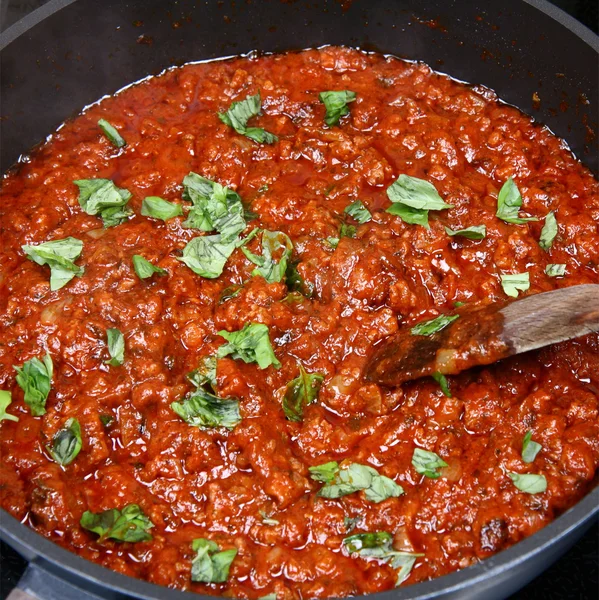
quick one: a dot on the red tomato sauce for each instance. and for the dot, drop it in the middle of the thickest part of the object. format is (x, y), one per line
(219, 484)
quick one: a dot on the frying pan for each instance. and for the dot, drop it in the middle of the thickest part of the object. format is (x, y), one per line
(70, 53)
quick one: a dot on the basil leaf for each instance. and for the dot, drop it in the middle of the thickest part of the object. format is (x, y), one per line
(205, 374)
(210, 565)
(67, 443)
(426, 463)
(555, 270)
(144, 268)
(267, 266)
(5, 400)
(250, 344)
(59, 256)
(301, 391)
(364, 541)
(476, 232)
(442, 381)
(336, 105)
(359, 212)
(127, 525)
(382, 488)
(114, 137)
(116, 347)
(102, 198)
(529, 483)
(206, 255)
(412, 216)
(530, 449)
(34, 378)
(240, 113)
(509, 202)
(200, 408)
(434, 325)
(511, 284)
(405, 562)
(333, 242)
(324, 473)
(350, 523)
(158, 208)
(295, 282)
(347, 231)
(549, 231)
(271, 596)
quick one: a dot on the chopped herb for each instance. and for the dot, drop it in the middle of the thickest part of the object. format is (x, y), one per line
(127, 525)
(158, 208)
(549, 231)
(530, 448)
(240, 113)
(442, 381)
(67, 443)
(336, 105)
(350, 523)
(59, 256)
(116, 347)
(476, 232)
(295, 282)
(514, 283)
(412, 216)
(206, 255)
(529, 483)
(301, 391)
(200, 408)
(426, 463)
(34, 378)
(347, 231)
(324, 473)
(458, 303)
(144, 268)
(359, 212)
(267, 266)
(365, 541)
(434, 325)
(106, 420)
(5, 400)
(114, 137)
(555, 270)
(205, 374)
(509, 201)
(210, 565)
(250, 344)
(333, 242)
(102, 198)
(271, 596)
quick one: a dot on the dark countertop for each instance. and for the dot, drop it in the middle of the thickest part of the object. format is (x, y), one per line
(575, 576)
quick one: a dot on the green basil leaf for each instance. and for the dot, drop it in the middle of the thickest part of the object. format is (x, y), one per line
(333, 242)
(250, 344)
(336, 105)
(347, 231)
(363, 541)
(144, 268)
(127, 525)
(116, 347)
(102, 198)
(67, 443)
(210, 565)
(382, 488)
(404, 561)
(350, 523)
(206, 255)
(426, 463)
(205, 374)
(530, 448)
(324, 473)
(240, 113)
(59, 256)
(434, 325)
(442, 381)
(549, 231)
(200, 408)
(412, 216)
(359, 212)
(158, 208)
(529, 483)
(509, 201)
(417, 194)
(271, 596)
(5, 400)
(476, 232)
(114, 137)
(555, 270)
(300, 392)
(35, 378)
(267, 267)
(514, 283)
(295, 282)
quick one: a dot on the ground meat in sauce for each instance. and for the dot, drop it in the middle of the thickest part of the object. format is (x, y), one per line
(220, 484)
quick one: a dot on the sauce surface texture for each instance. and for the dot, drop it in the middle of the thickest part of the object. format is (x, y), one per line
(248, 487)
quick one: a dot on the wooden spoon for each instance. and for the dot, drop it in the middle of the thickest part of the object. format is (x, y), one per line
(482, 335)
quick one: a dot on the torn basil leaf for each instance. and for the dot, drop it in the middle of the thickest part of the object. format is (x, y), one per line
(35, 378)
(111, 132)
(336, 105)
(59, 255)
(250, 344)
(426, 463)
(549, 231)
(100, 197)
(271, 269)
(127, 525)
(529, 483)
(205, 374)
(158, 208)
(301, 391)
(207, 255)
(295, 282)
(144, 268)
(324, 473)
(555, 270)
(347, 231)
(116, 347)
(240, 113)
(475, 232)
(5, 400)
(442, 381)
(517, 282)
(333, 242)
(359, 212)
(434, 325)
(509, 201)
(530, 448)
(67, 443)
(200, 408)
(210, 565)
